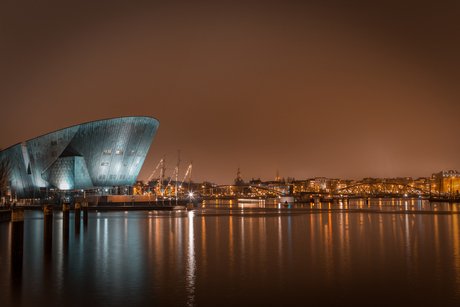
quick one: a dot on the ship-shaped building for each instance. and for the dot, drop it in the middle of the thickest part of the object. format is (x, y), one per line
(102, 153)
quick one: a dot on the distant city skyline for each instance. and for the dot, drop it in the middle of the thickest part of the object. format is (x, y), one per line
(324, 88)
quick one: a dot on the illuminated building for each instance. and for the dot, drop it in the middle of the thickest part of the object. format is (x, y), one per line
(447, 183)
(102, 153)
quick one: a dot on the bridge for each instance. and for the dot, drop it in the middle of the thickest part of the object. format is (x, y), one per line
(239, 190)
(382, 189)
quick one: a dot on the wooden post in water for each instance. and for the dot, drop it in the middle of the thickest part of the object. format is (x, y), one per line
(77, 217)
(17, 215)
(48, 210)
(48, 229)
(17, 247)
(65, 221)
(85, 213)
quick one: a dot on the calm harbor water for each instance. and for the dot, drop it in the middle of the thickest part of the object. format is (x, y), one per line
(398, 253)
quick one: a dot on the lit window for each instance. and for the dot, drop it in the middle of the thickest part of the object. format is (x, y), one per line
(107, 152)
(119, 152)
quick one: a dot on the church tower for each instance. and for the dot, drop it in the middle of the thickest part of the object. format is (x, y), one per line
(239, 180)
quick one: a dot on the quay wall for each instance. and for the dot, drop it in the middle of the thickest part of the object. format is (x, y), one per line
(5, 215)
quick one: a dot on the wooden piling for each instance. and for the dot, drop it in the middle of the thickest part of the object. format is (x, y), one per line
(17, 215)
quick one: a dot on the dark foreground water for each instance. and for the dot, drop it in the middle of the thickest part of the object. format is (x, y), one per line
(387, 254)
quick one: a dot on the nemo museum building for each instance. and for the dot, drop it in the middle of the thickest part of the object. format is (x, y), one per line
(104, 153)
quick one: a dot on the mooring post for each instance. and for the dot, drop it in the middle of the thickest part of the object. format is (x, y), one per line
(17, 215)
(17, 246)
(65, 219)
(48, 210)
(77, 217)
(85, 213)
(48, 228)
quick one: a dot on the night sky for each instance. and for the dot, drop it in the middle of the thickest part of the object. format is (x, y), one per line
(342, 89)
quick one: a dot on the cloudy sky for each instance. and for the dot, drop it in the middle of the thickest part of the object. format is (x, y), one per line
(342, 89)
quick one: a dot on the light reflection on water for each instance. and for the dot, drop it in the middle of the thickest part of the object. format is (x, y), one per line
(386, 252)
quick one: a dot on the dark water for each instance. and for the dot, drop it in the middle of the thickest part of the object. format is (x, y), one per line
(389, 253)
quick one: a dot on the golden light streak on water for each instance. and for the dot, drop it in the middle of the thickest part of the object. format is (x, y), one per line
(231, 250)
(191, 262)
(437, 247)
(312, 240)
(381, 235)
(331, 243)
(280, 244)
(159, 251)
(262, 241)
(203, 244)
(456, 243)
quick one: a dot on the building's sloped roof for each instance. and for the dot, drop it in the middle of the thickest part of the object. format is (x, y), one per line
(107, 152)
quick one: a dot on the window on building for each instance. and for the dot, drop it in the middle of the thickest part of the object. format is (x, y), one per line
(105, 164)
(107, 152)
(53, 143)
(119, 152)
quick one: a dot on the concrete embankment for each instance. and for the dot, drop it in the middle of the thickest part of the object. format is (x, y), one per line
(5, 215)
